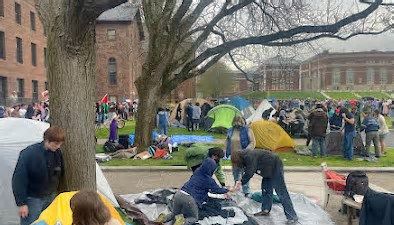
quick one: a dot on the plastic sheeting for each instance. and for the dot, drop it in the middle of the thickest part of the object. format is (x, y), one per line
(257, 115)
(270, 135)
(15, 135)
(308, 212)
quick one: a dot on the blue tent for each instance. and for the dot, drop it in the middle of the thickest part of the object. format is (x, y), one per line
(239, 102)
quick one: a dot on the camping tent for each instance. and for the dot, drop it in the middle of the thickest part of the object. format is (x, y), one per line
(223, 115)
(15, 135)
(270, 135)
(243, 105)
(59, 211)
(183, 105)
(257, 115)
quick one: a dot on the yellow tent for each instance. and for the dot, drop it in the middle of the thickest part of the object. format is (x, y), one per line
(59, 211)
(271, 136)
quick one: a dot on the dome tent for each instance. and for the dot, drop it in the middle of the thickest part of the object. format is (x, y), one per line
(271, 136)
(223, 115)
(15, 135)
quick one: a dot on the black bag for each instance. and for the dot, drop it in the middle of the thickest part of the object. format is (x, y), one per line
(110, 147)
(356, 184)
(124, 140)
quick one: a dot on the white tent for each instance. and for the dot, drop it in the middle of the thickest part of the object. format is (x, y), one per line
(257, 115)
(15, 135)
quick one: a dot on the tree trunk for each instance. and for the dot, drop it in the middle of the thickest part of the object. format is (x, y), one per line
(149, 98)
(71, 78)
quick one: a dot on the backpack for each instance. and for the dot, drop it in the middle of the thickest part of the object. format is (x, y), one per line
(356, 184)
(110, 147)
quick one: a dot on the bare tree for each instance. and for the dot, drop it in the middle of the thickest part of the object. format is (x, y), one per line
(70, 27)
(253, 22)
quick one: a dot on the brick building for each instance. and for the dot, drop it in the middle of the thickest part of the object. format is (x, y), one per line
(279, 74)
(121, 45)
(22, 50)
(372, 70)
(119, 56)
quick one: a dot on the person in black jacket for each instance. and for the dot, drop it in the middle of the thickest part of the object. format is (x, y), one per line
(270, 167)
(37, 174)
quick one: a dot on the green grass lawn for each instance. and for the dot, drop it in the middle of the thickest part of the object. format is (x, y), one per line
(296, 94)
(375, 94)
(341, 95)
(289, 159)
(258, 95)
(129, 128)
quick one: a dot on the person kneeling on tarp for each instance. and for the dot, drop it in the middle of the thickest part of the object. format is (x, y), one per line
(270, 167)
(193, 194)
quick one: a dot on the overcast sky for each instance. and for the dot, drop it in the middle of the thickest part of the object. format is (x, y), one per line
(383, 42)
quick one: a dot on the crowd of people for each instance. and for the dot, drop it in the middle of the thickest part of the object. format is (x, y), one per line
(108, 110)
(35, 111)
(318, 118)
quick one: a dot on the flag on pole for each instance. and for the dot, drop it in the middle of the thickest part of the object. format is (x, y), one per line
(104, 99)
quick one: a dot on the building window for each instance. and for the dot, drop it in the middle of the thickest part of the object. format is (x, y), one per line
(46, 85)
(1, 7)
(370, 75)
(21, 88)
(383, 76)
(112, 71)
(19, 51)
(3, 90)
(45, 57)
(349, 76)
(336, 77)
(35, 90)
(33, 54)
(111, 34)
(2, 45)
(32, 21)
(18, 13)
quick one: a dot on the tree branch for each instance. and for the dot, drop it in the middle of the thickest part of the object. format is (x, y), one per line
(266, 39)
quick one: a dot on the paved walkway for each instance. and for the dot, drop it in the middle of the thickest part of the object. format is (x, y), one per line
(307, 183)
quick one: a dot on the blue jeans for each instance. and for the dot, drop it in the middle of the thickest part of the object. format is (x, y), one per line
(348, 145)
(277, 181)
(35, 207)
(319, 142)
(163, 129)
(237, 174)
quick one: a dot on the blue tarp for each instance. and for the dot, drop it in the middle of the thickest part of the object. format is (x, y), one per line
(239, 102)
(181, 138)
(192, 139)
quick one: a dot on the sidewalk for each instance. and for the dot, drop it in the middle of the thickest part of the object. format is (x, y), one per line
(228, 168)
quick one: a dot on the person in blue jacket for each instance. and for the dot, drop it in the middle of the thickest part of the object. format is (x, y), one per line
(194, 193)
(37, 175)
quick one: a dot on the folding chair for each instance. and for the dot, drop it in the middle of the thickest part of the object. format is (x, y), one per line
(334, 183)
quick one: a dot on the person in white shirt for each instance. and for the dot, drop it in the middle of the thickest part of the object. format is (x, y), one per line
(383, 130)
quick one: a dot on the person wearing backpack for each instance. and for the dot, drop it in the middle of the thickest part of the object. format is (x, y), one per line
(318, 125)
(371, 127)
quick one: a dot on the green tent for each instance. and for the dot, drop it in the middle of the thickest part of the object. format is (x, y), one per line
(223, 115)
